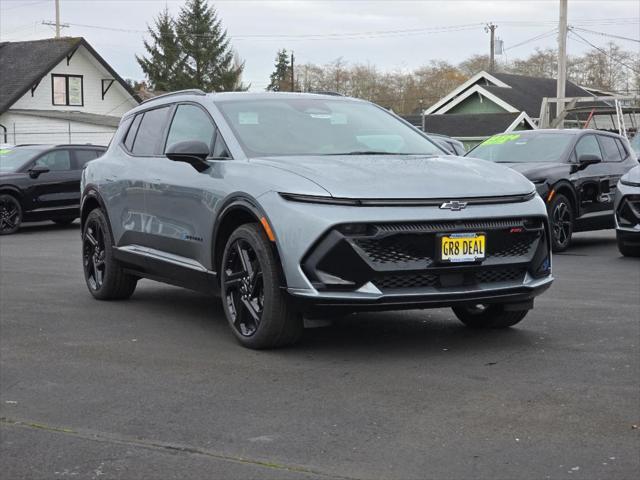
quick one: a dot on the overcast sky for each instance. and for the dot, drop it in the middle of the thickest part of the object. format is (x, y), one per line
(391, 34)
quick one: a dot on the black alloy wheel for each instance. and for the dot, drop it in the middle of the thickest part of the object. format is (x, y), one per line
(258, 308)
(106, 278)
(10, 214)
(94, 253)
(244, 288)
(561, 219)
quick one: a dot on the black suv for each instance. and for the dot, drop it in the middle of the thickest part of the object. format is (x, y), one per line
(574, 171)
(42, 182)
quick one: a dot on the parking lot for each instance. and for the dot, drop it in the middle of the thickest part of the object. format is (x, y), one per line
(157, 386)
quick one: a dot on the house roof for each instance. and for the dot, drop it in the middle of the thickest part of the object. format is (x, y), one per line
(519, 92)
(474, 125)
(24, 64)
(73, 116)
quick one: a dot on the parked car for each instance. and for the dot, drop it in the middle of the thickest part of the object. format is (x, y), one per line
(450, 145)
(627, 213)
(41, 182)
(574, 171)
(291, 204)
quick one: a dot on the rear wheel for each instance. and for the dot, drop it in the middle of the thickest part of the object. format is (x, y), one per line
(10, 214)
(627, 250)
(488, 316)
(258, 310)
(105, 277)
(561, 220)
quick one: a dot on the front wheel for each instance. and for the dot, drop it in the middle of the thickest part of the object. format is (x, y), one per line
(10, 214)
(105, 277)
(561, 220)
(258, 310)
(488, 316)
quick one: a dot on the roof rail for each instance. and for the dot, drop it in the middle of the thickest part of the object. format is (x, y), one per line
(327, 92)
(191, 91)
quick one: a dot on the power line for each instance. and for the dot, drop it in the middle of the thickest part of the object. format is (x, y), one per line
(533, 39)
(602, 34)
(604, 52)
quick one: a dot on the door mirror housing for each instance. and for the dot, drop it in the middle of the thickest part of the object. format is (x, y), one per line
(37, 170)
(585, 160)
(194, 153)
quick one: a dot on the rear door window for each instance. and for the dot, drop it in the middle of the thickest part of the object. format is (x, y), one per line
(611, 151)
(588, 145)
(150, 132)
(191, 123)
(131, 134)
(622, 148)
(84, 156)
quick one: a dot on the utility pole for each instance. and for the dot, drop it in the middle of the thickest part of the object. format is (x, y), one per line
(491, 28)
(562, 60)
(293, 84)
(57, 18)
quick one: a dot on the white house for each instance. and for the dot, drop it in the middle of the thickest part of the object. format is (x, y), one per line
(59, 91)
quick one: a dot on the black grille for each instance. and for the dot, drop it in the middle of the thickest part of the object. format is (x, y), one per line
(422, 280)
(463, 225)
(517, 248)
(499, 275)
(397, 249)
(391, 282)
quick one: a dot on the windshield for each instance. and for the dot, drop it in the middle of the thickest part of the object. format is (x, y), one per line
(309, 126)
(523, 147)
(11, 159)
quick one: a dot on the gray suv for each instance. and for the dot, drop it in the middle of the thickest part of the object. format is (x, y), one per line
(305, 204)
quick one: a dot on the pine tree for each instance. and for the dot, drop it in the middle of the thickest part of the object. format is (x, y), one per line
(281, 76)
(163, 67)
(210, 63)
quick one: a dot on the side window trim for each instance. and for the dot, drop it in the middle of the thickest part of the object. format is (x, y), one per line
(163, 134)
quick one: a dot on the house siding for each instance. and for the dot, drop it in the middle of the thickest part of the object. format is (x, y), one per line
(32, 129)
(117, 101)
(474, 105)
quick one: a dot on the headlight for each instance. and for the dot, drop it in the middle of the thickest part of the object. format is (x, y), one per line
(294, 197)
(628, 183)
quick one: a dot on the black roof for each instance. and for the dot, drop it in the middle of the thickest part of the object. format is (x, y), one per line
(469, 125)
(526, 93)
(24, 64)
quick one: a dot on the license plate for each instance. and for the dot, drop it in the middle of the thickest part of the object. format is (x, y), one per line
(462, 247)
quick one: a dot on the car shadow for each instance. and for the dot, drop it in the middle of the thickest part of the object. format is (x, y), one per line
(40, 227)
(411, 332)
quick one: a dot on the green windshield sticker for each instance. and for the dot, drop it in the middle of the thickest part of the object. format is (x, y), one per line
(4, 151)
(500, 139)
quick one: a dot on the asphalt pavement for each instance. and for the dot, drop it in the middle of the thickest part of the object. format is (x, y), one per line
(156, 387)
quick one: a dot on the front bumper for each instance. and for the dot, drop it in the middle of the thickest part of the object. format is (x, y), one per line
(392, 264)
(627, 209)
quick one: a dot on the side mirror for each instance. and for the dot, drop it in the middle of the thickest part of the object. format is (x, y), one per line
(37, 170)
(192, 152)
(585, 160)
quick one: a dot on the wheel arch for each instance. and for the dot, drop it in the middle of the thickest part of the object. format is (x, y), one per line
(236, 212)
(14, 191)
(91, 200)
(565, 188)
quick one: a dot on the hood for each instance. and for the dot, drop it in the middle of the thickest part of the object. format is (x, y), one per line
(632, 176)
(10, 175)
(537, 170)
(403, 177)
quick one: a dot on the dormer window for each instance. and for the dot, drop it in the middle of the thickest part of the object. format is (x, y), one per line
(67, 90)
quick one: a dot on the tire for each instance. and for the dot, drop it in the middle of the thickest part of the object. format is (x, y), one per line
(488, 316)
(561, 219)
(105, 277)
(10, 214)
(258, 311)
(627, 250)
(64, 221)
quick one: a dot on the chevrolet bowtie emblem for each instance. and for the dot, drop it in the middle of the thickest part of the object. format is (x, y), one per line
(454, 205)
